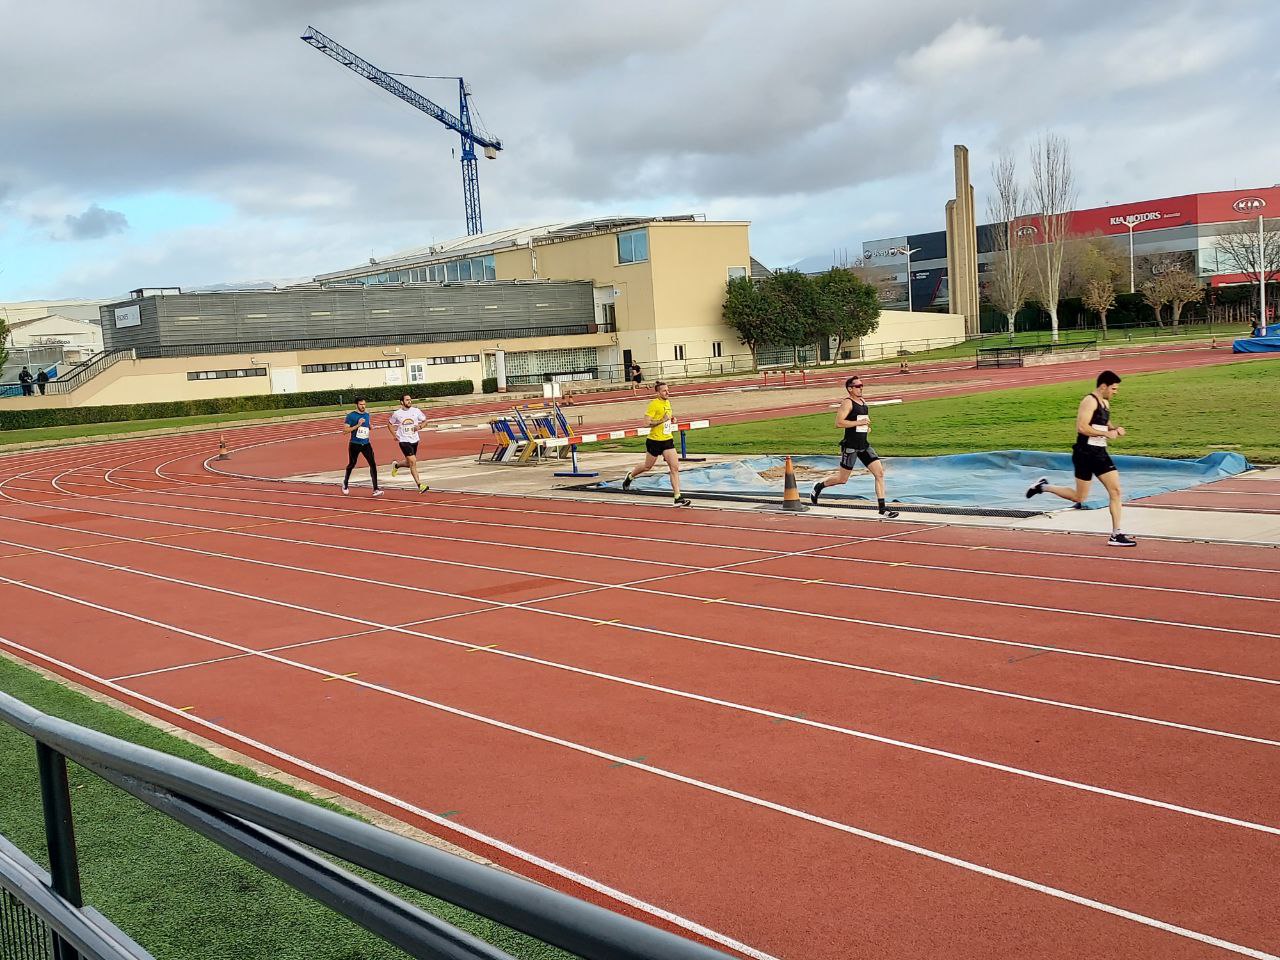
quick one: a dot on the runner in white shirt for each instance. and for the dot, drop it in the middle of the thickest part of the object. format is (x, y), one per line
(404, 424)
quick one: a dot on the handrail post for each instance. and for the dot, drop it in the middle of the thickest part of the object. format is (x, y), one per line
(55, 798)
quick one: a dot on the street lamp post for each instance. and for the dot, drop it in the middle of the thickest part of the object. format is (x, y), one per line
(1131, 222)
(908, 250)
(1262, 283)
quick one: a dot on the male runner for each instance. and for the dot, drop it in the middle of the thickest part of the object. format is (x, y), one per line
(1089, 456)
(404, 425)
(854, 416)
(359, 428)
(660, 444)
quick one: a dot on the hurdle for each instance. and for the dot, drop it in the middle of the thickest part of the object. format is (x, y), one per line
(572, 442)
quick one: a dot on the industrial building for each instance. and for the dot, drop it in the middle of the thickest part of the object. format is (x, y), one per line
(1189, 225)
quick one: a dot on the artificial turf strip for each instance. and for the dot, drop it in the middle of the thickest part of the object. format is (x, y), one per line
(1177, 413)
(181, 896)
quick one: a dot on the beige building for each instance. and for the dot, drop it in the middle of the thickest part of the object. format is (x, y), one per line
(79, 339)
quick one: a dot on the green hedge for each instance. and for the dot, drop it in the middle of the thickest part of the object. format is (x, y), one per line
(68, 416)
(489, 384)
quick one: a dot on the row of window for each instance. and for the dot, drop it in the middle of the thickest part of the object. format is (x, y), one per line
(226, 374)
(353, 365)
(460, 358)
(717, 350)
(473, 268)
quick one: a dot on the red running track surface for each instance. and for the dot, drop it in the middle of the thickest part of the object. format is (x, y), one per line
(791, 736)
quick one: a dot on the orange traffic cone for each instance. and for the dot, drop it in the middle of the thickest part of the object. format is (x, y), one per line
(223, 452)
(790, 495)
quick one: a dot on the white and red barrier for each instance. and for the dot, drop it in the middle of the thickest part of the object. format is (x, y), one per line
(548, 443)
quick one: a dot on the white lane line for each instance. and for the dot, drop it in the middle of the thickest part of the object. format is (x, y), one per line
(360, 788)
(1065, 611)
(749, 799)
(530, 607)
(922, 631)
(668, 691)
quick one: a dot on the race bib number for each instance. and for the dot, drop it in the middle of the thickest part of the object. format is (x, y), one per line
(362, 433)
(1097, 441)
(866, 428)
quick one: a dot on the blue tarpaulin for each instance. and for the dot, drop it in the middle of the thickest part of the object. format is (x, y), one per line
(992, 481)
(1256, 344)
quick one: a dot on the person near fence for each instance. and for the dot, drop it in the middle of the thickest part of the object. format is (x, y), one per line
(1090, 457)
(635, 376)
(359, 430)
(404, 424)
(41, 379)
(25, 378)
(854, 417)
(660, 444)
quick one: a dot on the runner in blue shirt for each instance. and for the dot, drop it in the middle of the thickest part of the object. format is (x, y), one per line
(359, 430)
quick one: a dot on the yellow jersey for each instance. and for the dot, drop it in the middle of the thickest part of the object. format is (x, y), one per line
(659, 409)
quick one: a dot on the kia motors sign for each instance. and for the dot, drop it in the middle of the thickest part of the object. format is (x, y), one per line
(1249, 205)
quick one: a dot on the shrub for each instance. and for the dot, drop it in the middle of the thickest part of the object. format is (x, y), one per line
(68, 416)
(489, 384)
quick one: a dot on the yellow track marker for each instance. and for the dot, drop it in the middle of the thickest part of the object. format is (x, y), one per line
(341, 676)
(489, 647)
(605, 623)
(185, 709)
(716, 600)
(904, 563)
(816, 581)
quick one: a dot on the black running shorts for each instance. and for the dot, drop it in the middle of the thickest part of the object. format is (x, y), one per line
(848, 455)
(1090, 462)
(409, 449)
(655, 448)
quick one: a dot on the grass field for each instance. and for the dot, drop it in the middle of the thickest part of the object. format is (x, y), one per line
(176, 893)
(1182, 413)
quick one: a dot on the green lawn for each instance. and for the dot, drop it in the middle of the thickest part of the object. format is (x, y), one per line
(176, 893)
(1181, 413)
(1115, 338)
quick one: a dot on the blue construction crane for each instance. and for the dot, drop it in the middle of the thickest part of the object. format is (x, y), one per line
(461, 123)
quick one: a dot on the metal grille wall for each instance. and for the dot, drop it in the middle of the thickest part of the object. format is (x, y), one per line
(23, 935)
(313, 313)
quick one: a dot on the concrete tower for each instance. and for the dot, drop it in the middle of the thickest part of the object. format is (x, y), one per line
(962, 246)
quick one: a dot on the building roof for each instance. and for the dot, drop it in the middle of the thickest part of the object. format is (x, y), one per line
(500, 240)
(15, 324)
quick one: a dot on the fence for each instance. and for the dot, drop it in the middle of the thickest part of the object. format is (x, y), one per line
(260, 826)
(1016, 356)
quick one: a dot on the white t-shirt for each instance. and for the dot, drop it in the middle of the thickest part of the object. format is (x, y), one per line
(406, 423)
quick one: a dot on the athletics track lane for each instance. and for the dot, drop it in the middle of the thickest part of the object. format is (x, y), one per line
(689, 753)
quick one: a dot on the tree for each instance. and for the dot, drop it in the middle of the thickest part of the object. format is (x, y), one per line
(791, 298)
(746, 312)
(1009, 280)
(1238, 248)
(1053, 194)
(4, 343)
(1170, 284)
(848, 306)
(1099, 296)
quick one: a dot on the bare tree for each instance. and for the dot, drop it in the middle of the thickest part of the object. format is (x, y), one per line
(1172, 285)
(1053, 195)
(1092, 258)
(1009, 280)
(1239, 248)
(1099, 296)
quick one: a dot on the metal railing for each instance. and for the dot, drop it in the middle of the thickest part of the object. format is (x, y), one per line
(1015, 356)
(261, 826)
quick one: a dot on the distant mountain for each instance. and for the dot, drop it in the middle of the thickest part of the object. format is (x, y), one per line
(247, 285)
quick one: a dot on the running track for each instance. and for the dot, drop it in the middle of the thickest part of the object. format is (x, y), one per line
(794, 736)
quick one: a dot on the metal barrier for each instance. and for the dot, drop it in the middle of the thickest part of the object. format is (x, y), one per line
(1016, 356)
(260, 826)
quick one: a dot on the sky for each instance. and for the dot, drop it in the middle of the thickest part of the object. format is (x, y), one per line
(186, 143)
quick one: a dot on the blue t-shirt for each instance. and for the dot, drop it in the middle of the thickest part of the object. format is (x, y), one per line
(366, 421)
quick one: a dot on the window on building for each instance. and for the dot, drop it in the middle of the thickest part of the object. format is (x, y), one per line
(352, 365)
(451, 271)
(679, 351)
(737, 272)
(633, 246)
(717, 348)
(464, 269)
(608, 317)
(226, 374)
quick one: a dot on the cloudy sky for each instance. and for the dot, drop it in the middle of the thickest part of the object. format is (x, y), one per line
(149, 143)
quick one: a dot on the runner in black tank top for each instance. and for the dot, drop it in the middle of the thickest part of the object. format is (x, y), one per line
(1090, 458)
(855, 417)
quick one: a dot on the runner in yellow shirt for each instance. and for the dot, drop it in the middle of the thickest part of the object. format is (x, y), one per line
(660, 444)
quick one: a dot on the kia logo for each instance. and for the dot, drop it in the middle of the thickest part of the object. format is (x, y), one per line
(1248, 204)
(1026, 231)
